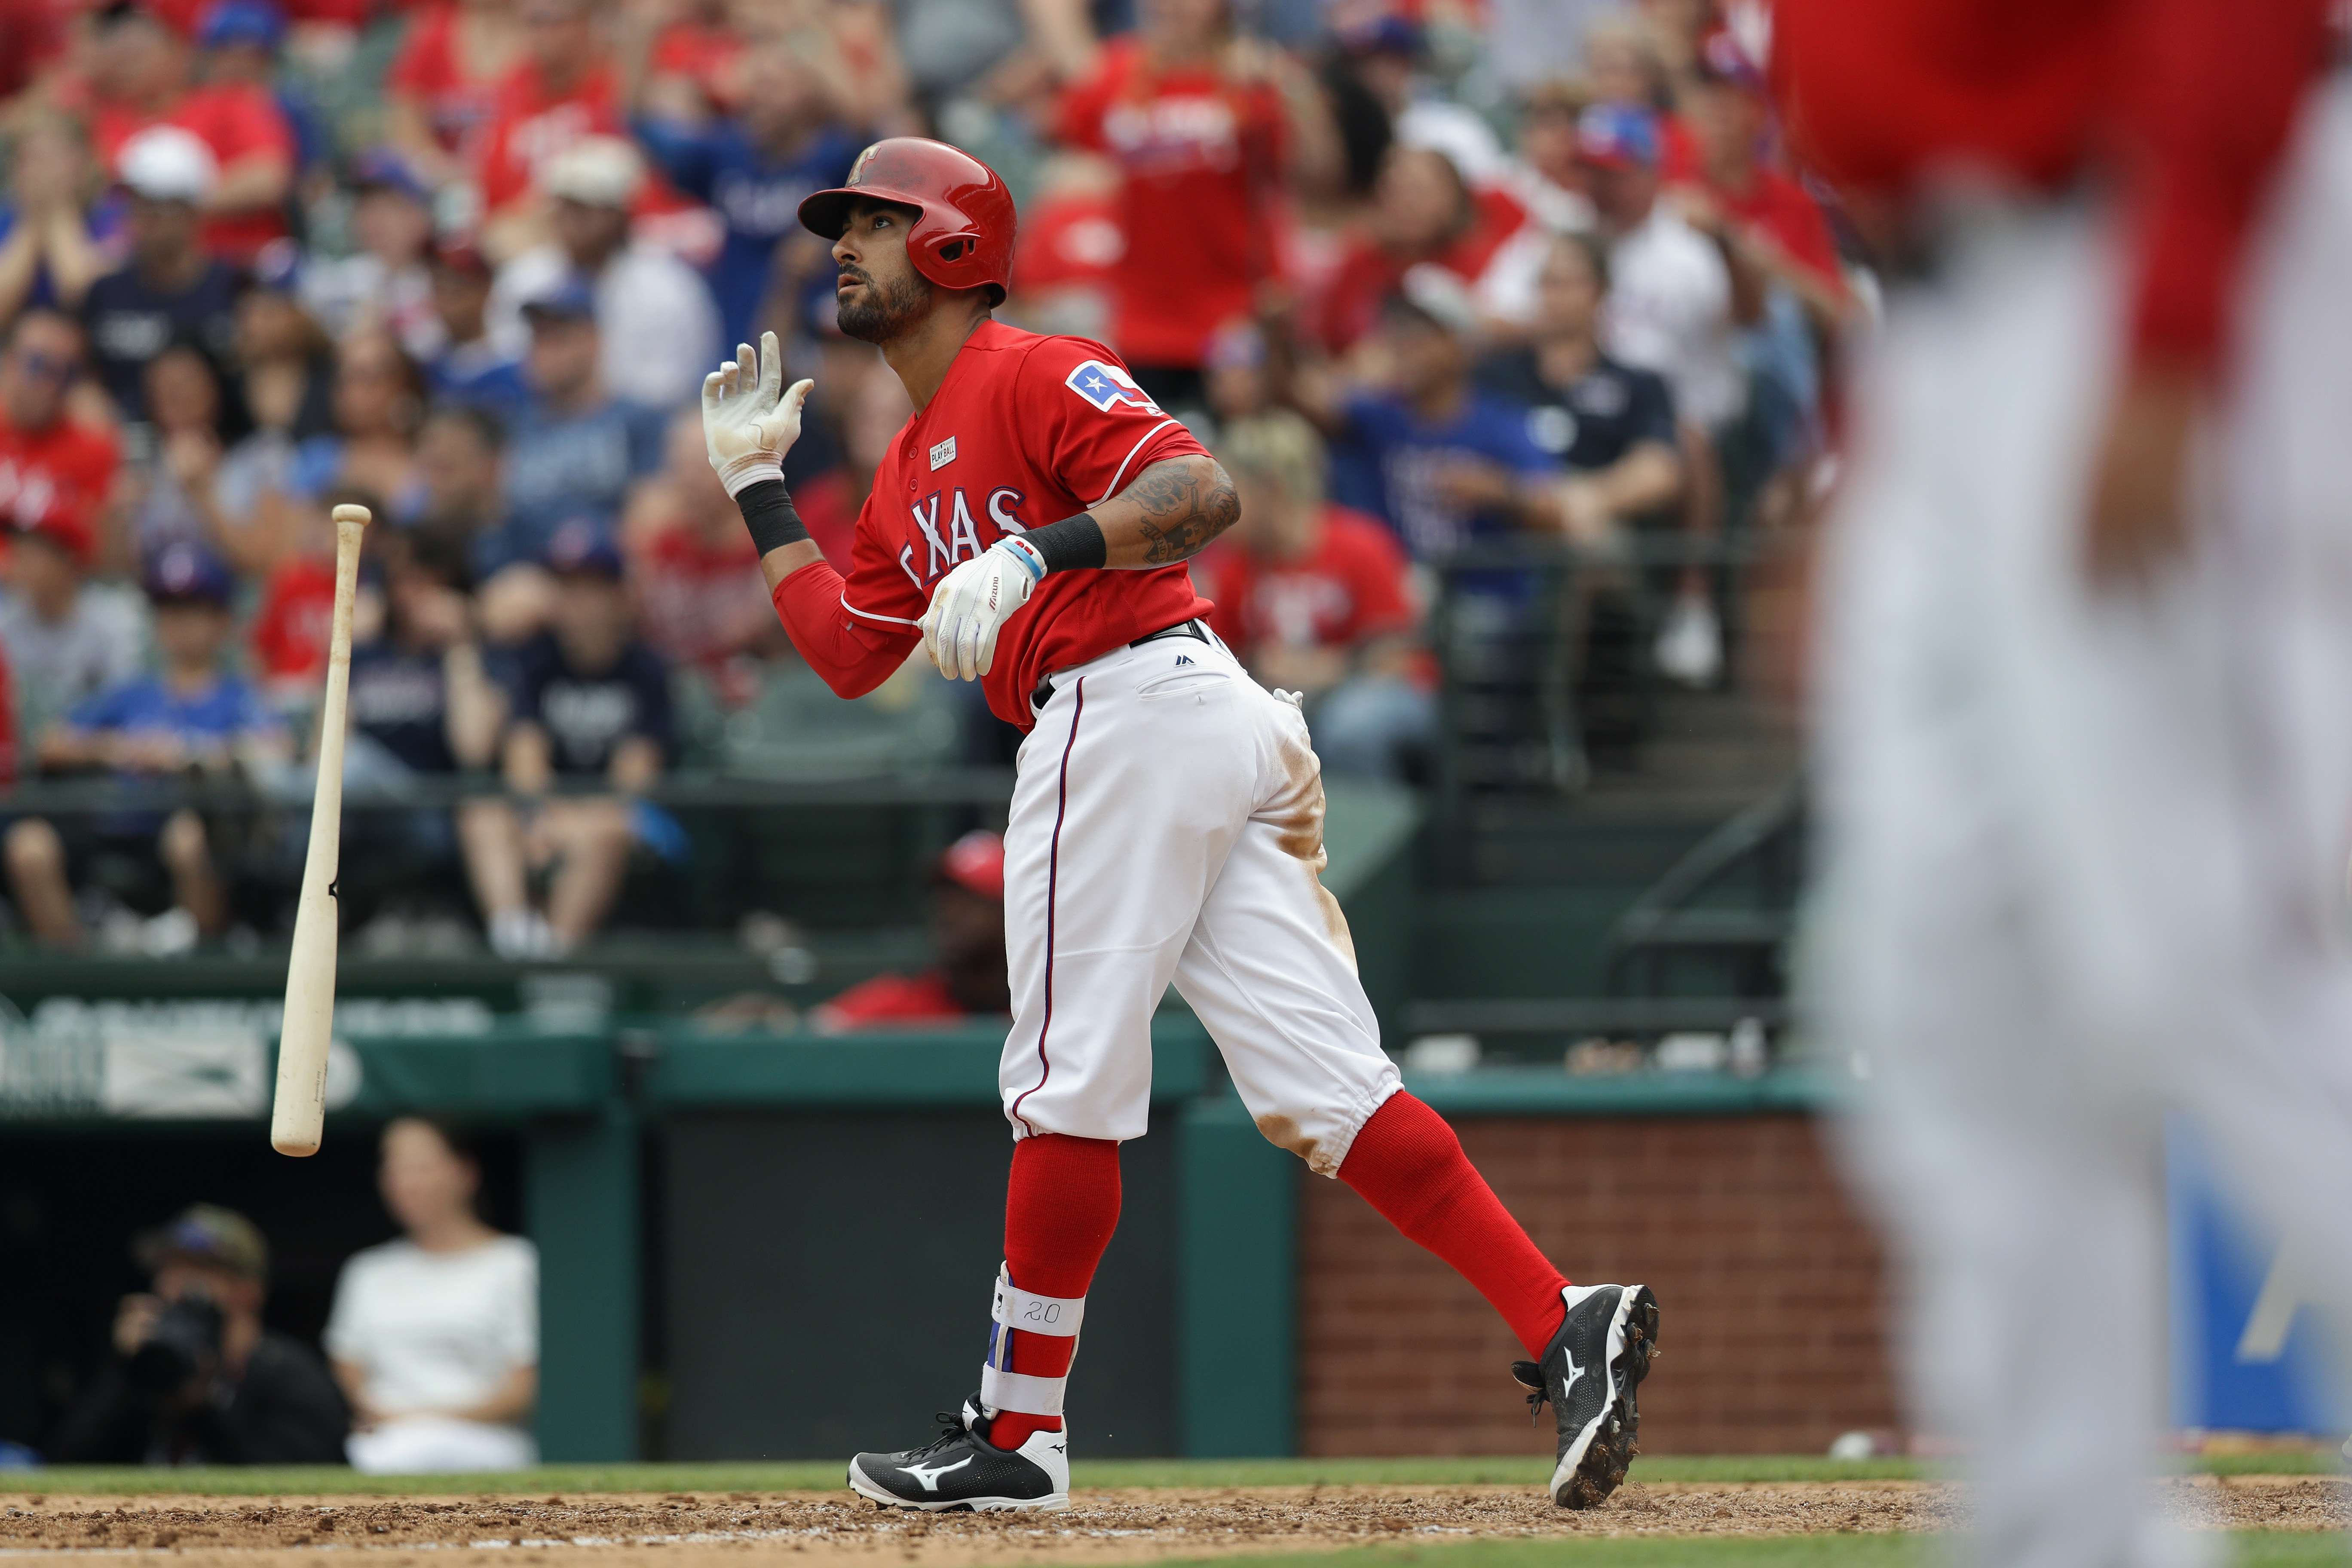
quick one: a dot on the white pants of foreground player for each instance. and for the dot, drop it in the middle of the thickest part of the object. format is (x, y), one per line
(2086, 855)
(438, 1445)
(1167, 825)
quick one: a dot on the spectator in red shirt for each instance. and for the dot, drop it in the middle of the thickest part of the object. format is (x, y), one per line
(52, 467)
(1065, 272)
(35, 36)
(968, 936)
(1423, 213)
(443, 90)
(695, 573)
(875, 409)
(696, 62)
(1319, 599)
(1770, 230)
(1195, 117)
(287, 638)
(566, 88)
(138, 77)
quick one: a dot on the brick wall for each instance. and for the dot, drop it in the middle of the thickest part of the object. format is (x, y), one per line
(1767, 1282)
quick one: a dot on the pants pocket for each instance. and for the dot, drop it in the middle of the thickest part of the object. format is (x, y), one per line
(1179, 682)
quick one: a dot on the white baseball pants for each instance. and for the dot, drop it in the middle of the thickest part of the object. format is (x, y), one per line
(1167, 825)
(2085, 853)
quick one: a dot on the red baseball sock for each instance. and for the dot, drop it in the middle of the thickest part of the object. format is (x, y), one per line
(1408, 1165)
(1060, 1208)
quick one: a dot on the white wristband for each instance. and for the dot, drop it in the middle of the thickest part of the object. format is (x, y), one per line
(743, 472)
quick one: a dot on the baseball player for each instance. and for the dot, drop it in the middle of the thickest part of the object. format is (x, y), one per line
(1029, 527)
(2084, 691)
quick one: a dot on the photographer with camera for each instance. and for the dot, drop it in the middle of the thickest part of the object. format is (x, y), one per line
(195, 1378)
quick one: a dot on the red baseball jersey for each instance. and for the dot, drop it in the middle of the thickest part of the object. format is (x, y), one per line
(1026, 430)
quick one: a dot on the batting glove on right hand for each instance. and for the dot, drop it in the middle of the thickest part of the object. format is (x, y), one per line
(972, 604)
(748, 419)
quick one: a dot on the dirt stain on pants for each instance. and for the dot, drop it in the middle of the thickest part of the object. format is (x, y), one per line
(1297, 819)
(1283, 1133)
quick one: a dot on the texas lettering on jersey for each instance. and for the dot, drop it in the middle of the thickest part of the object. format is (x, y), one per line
(1026, 430)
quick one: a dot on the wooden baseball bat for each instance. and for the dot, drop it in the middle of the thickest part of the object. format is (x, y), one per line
(298, 1120)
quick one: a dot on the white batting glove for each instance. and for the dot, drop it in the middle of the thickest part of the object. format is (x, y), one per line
(748, 419)
(972, 604)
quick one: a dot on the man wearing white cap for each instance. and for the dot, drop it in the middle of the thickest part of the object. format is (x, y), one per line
(659, 325)
(170, 288)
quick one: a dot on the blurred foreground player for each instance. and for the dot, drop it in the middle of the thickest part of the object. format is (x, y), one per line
(2085, 737)
(1167, 824)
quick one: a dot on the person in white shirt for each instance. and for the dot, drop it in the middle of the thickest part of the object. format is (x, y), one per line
(659, 324)
(1669, 306)
(435, 1337)
(1669, 311)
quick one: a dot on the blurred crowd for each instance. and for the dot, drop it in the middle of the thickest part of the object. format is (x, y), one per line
(1433, 278)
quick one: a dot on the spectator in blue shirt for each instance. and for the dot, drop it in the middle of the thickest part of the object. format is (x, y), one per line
(754, 170)
(190, 719)
(469, 368)
(54, 233)
(586, 697)
(572, 449)
(1436, 457)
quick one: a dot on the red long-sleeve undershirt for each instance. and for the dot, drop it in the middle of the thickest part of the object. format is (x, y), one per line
(852, 656)
(2188, 102)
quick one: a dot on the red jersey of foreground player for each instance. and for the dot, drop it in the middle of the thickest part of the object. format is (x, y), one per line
(1026, 430)
(2196, 97)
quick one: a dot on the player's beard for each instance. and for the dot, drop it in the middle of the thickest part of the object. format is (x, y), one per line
(883, 311)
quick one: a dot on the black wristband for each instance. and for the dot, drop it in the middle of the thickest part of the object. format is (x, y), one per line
(1073, 542)
(767, 509)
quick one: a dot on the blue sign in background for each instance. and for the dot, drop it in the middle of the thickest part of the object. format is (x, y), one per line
(2247, 1351)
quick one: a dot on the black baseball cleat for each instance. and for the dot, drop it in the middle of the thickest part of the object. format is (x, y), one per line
(961, 1471)
(1588, 1375)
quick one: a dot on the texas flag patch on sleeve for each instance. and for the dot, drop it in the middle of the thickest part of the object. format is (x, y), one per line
(1108, 387)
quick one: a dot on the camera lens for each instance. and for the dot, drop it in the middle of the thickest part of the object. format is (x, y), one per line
(185, 1340)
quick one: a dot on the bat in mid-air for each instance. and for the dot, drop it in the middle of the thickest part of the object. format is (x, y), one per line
(298, 1117)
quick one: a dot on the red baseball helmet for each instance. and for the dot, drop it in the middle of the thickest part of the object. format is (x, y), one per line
(964, 239)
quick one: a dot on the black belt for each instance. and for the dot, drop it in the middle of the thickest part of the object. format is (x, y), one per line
(1192, 628)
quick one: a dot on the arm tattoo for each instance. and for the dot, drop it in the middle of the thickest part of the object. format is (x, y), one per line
(1182, 507)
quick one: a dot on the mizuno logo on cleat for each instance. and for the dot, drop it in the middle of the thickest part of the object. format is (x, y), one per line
(930, 1475)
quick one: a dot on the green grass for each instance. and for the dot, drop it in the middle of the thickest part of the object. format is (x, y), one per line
(824, 1475)
(2255, 1549)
